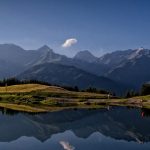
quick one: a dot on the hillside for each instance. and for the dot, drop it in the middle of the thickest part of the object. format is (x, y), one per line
(69, 76)
(19, 59)
(119, 66)
(85, 56)
(133, 73)
(130, 67)
(41, 98)
(30, 88)
(35, 88)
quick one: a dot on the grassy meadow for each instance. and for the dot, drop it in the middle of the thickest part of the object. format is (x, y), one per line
(42, 98)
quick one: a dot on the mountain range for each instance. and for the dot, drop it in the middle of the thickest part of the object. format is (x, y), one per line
(116, 71)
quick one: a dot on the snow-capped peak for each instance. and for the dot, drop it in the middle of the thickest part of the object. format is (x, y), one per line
(139, 49)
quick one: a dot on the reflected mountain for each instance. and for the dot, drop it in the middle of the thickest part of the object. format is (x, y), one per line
(118, 123)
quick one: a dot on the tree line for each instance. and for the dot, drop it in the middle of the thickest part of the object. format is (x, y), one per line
(145, 89)
(14, 81)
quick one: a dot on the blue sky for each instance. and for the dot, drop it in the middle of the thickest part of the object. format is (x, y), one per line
(100, 26)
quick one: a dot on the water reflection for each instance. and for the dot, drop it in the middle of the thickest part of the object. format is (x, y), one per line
(81, 129)
(66, 145)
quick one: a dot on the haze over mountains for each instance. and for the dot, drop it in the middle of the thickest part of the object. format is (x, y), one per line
(128, 69)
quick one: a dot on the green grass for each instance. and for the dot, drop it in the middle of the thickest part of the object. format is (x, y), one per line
(147, 97)
(41, 98)
(29, 88)
(146, 101)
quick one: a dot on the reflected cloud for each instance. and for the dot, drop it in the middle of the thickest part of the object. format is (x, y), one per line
(66, 145)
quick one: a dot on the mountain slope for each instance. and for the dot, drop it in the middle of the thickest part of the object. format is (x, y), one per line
(15, 60)
(21, 60)
(133, 73)
(115, 58)
(7, 69)
(130, 67)
(85, 56)
(68, 76)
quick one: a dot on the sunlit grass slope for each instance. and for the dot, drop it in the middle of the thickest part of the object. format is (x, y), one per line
(39, 98)
(42, 98)
(28, 88)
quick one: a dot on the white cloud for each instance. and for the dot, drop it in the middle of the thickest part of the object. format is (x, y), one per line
(69, 42)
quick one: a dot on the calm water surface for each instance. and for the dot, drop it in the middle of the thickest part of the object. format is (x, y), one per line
(114, 129)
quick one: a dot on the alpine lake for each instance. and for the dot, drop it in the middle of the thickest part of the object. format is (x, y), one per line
(115, 128)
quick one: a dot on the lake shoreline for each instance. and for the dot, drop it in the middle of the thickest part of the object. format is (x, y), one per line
(41, 109)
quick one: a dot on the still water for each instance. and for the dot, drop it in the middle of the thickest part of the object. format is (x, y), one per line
(115, 129)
